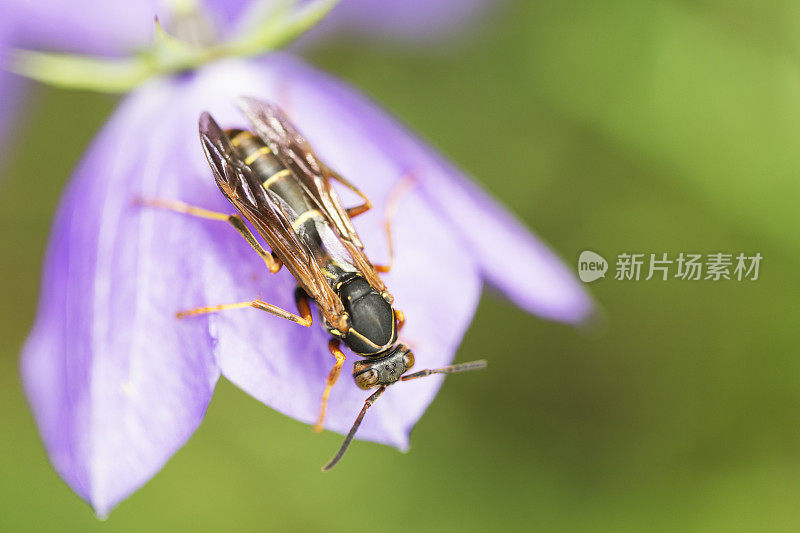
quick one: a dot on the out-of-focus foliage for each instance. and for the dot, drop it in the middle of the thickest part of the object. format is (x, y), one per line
(617, 126)
(697, 92)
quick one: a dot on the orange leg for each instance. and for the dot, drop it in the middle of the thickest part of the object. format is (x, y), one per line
(333, 347)
(273, 263)
(395, 195)
(353, 212)
(304, 319)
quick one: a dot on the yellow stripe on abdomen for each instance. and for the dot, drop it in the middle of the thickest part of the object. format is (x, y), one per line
(301, 219)
(264, 150)
(275, 177)
(241, 136)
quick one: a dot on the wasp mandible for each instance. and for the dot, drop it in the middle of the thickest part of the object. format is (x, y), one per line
(275, 181)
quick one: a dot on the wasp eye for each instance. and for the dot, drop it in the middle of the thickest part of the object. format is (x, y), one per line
(408, 360)
(367, 379)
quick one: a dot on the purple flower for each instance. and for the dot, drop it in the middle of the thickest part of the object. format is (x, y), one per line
(117, 383)
(112, 27)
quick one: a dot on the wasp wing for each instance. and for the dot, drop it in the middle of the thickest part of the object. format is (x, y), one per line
(267, 212)
(274, 128)
(296, 154)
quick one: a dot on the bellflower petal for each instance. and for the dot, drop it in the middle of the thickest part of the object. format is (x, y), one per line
(115, 387)
(228, 13)
(118, 383)
(510, 257)
(111, 27)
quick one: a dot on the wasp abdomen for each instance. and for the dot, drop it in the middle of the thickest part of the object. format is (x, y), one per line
(255, 153)
(273, 175)
(307, 221)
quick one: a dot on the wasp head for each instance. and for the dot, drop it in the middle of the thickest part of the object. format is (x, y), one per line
(370, 373)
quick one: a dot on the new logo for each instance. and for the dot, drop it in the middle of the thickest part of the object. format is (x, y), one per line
(591, 266)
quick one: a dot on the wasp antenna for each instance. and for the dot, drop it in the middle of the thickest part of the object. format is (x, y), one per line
(453, 369)
(349, 438)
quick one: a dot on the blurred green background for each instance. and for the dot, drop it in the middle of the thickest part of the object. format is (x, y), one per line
(619, 126)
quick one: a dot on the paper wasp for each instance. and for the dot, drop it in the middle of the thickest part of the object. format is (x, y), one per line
(277, 183)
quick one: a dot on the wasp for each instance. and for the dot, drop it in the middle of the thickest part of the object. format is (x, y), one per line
(276, 183)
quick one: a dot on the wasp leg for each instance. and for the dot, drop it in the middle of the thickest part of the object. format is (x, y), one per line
(301, 298)
(333, 347)
(397, 193)
(273, 263)
(353, 212)
(401, 319)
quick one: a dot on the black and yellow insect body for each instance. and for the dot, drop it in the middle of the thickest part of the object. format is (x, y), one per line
(277, 183)
(373, 323)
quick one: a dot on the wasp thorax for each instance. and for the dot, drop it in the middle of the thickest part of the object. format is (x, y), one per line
(373, 327)
(370, 373)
